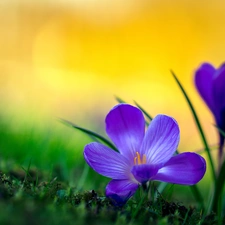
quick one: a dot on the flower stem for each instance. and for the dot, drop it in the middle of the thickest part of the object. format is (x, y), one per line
(217, 198)
(220, 152)
(144, 186)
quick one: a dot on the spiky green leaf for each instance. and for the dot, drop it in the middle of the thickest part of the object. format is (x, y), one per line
(91, 133)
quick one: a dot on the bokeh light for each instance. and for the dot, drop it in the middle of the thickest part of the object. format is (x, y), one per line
(70, 58)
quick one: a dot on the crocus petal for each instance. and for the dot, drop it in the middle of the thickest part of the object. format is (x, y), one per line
(106, 161)
(143, 173)
(203, 81)
(185, 168)
(218, 92)
(161, 140)
(119, 191)
(125, 125)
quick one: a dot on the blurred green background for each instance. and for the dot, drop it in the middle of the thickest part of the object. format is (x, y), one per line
(68, 59)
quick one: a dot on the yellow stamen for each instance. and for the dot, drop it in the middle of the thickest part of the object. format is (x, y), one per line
(144, 160)
(138, 160)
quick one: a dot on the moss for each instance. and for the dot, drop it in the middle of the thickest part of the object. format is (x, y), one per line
(24, 200)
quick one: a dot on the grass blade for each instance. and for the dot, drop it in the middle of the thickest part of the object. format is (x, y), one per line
(217, 198)
(27, 171)
(221, 131)
(207, 149)
(144, 111)
(120, 100)
(161, 188)
(91, 133)
(197, 194)
(83, 177)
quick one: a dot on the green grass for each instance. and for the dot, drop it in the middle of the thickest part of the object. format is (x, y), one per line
(26, 200)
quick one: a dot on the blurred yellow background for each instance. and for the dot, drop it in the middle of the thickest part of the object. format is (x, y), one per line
(69, 58)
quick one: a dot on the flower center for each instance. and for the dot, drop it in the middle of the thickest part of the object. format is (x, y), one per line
(138, 160)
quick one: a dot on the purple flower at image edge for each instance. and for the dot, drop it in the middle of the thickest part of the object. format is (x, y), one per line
(210, 83)
(143, 156)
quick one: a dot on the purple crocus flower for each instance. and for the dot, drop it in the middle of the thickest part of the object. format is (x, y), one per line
(210, 83)
(143, 156)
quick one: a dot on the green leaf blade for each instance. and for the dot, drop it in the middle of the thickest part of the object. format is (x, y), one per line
(144, 111)
(198, 124)
(90, 133)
